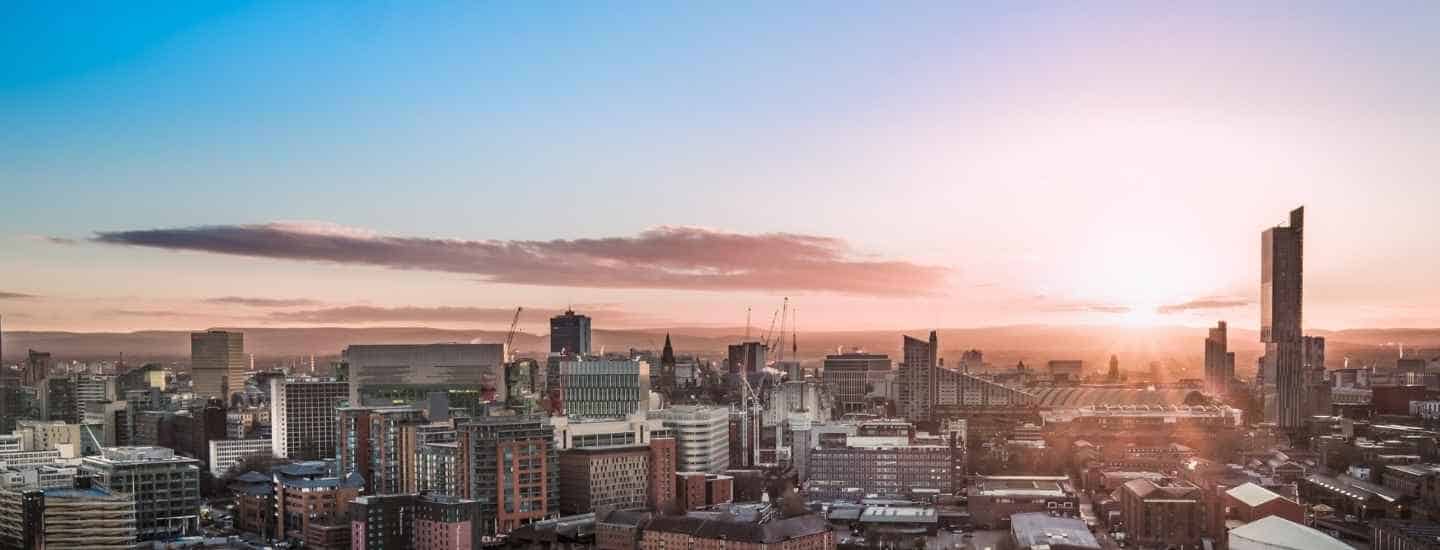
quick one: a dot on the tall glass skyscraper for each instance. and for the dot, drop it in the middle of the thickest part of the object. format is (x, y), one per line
(1281, 283)
(570, 333)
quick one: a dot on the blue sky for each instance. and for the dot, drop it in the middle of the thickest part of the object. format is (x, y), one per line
(1141, 147)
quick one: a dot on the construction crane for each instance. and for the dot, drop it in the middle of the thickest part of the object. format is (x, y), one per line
(510, 338)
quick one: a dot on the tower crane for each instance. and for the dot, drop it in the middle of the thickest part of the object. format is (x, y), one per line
(510, 338)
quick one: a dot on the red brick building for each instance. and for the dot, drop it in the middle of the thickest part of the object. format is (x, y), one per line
(1250, 502)
(696, 490)
(709, 532)
(660, 491)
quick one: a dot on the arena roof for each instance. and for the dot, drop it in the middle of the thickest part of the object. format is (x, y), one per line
(1075, 397)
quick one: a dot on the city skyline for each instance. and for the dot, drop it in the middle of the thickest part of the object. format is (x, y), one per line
(1043, 166)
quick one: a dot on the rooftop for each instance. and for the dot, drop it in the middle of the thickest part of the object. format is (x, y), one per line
(1040, 530)
(740, 531)
(886, 514)
(1252, 494)
(1280, 533)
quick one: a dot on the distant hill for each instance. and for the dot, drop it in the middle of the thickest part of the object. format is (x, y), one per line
(1003, 346)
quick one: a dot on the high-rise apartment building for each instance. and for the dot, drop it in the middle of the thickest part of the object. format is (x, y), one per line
(570, 333)
(165, 487)
(1281, 297)
(918, 378)
(415, 522)
(369, 442)
(510, 467)
(217, 363)
(302, 417)
(702, 437)
(383, 375)
(1219, 360)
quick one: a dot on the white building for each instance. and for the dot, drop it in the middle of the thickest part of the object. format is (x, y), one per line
(302, 417)
(702, 437)
(224, 453)
(1277, 533)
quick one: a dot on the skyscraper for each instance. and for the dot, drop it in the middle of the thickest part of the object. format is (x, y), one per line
(1219, 360)
(1281, 283)
(217, 363)
(918, 378)
(570, 333)
(746, 357)
(302, 417)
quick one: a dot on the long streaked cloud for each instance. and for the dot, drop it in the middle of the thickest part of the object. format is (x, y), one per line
(16, 296)
(442, 314)
(666, 257)
(262, 302)
(1089, 307)
(1203, 304)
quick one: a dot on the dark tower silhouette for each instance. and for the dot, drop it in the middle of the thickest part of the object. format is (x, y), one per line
(667, 365)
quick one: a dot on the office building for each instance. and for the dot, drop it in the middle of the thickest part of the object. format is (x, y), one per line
(570, 334)
(21, 511)
(15, 400)
(702, 437)
(746, 358)
(382, 375)
(415, 522)
(226, 453)
(92, 388)
(600, 388)
(609, 478)
(522, 450)
(918, 378)
(58, 400)
(302, 417)
(165, 488)
(1219, 361)
(699, 490)
(218, 364)
(1281, 299)
(90, 518)
(849, 377)
(38, 366)
(47, 435)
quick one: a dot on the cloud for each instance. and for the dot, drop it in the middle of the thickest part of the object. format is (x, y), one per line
(141, 313)
(1203, 304)
(665, 257)
(16, 296)
(442, 314)
(262, 302)
(1089, 307)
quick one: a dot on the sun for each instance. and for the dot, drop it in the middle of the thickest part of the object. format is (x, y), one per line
(1142, 315)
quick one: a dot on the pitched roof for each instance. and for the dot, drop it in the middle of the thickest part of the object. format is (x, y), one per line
(1277, 532)
(740, 531)
(1252, 494)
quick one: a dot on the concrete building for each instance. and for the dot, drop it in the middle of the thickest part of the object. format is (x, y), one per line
(1281, 299)
(218, 366)
(702, 437)
(302, 417)
(225, 453)
(510, 467)
(415, 522)
(113, 421)
(570, 333)
(600, 388)
(849, 377)
(993, 499)
(1219, 361)
(383, 375)
(165, 488)
(22, 510)
(90, 519)
(882, 459)
(918, 384)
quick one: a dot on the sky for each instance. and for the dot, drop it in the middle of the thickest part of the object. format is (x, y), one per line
(883, 165)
